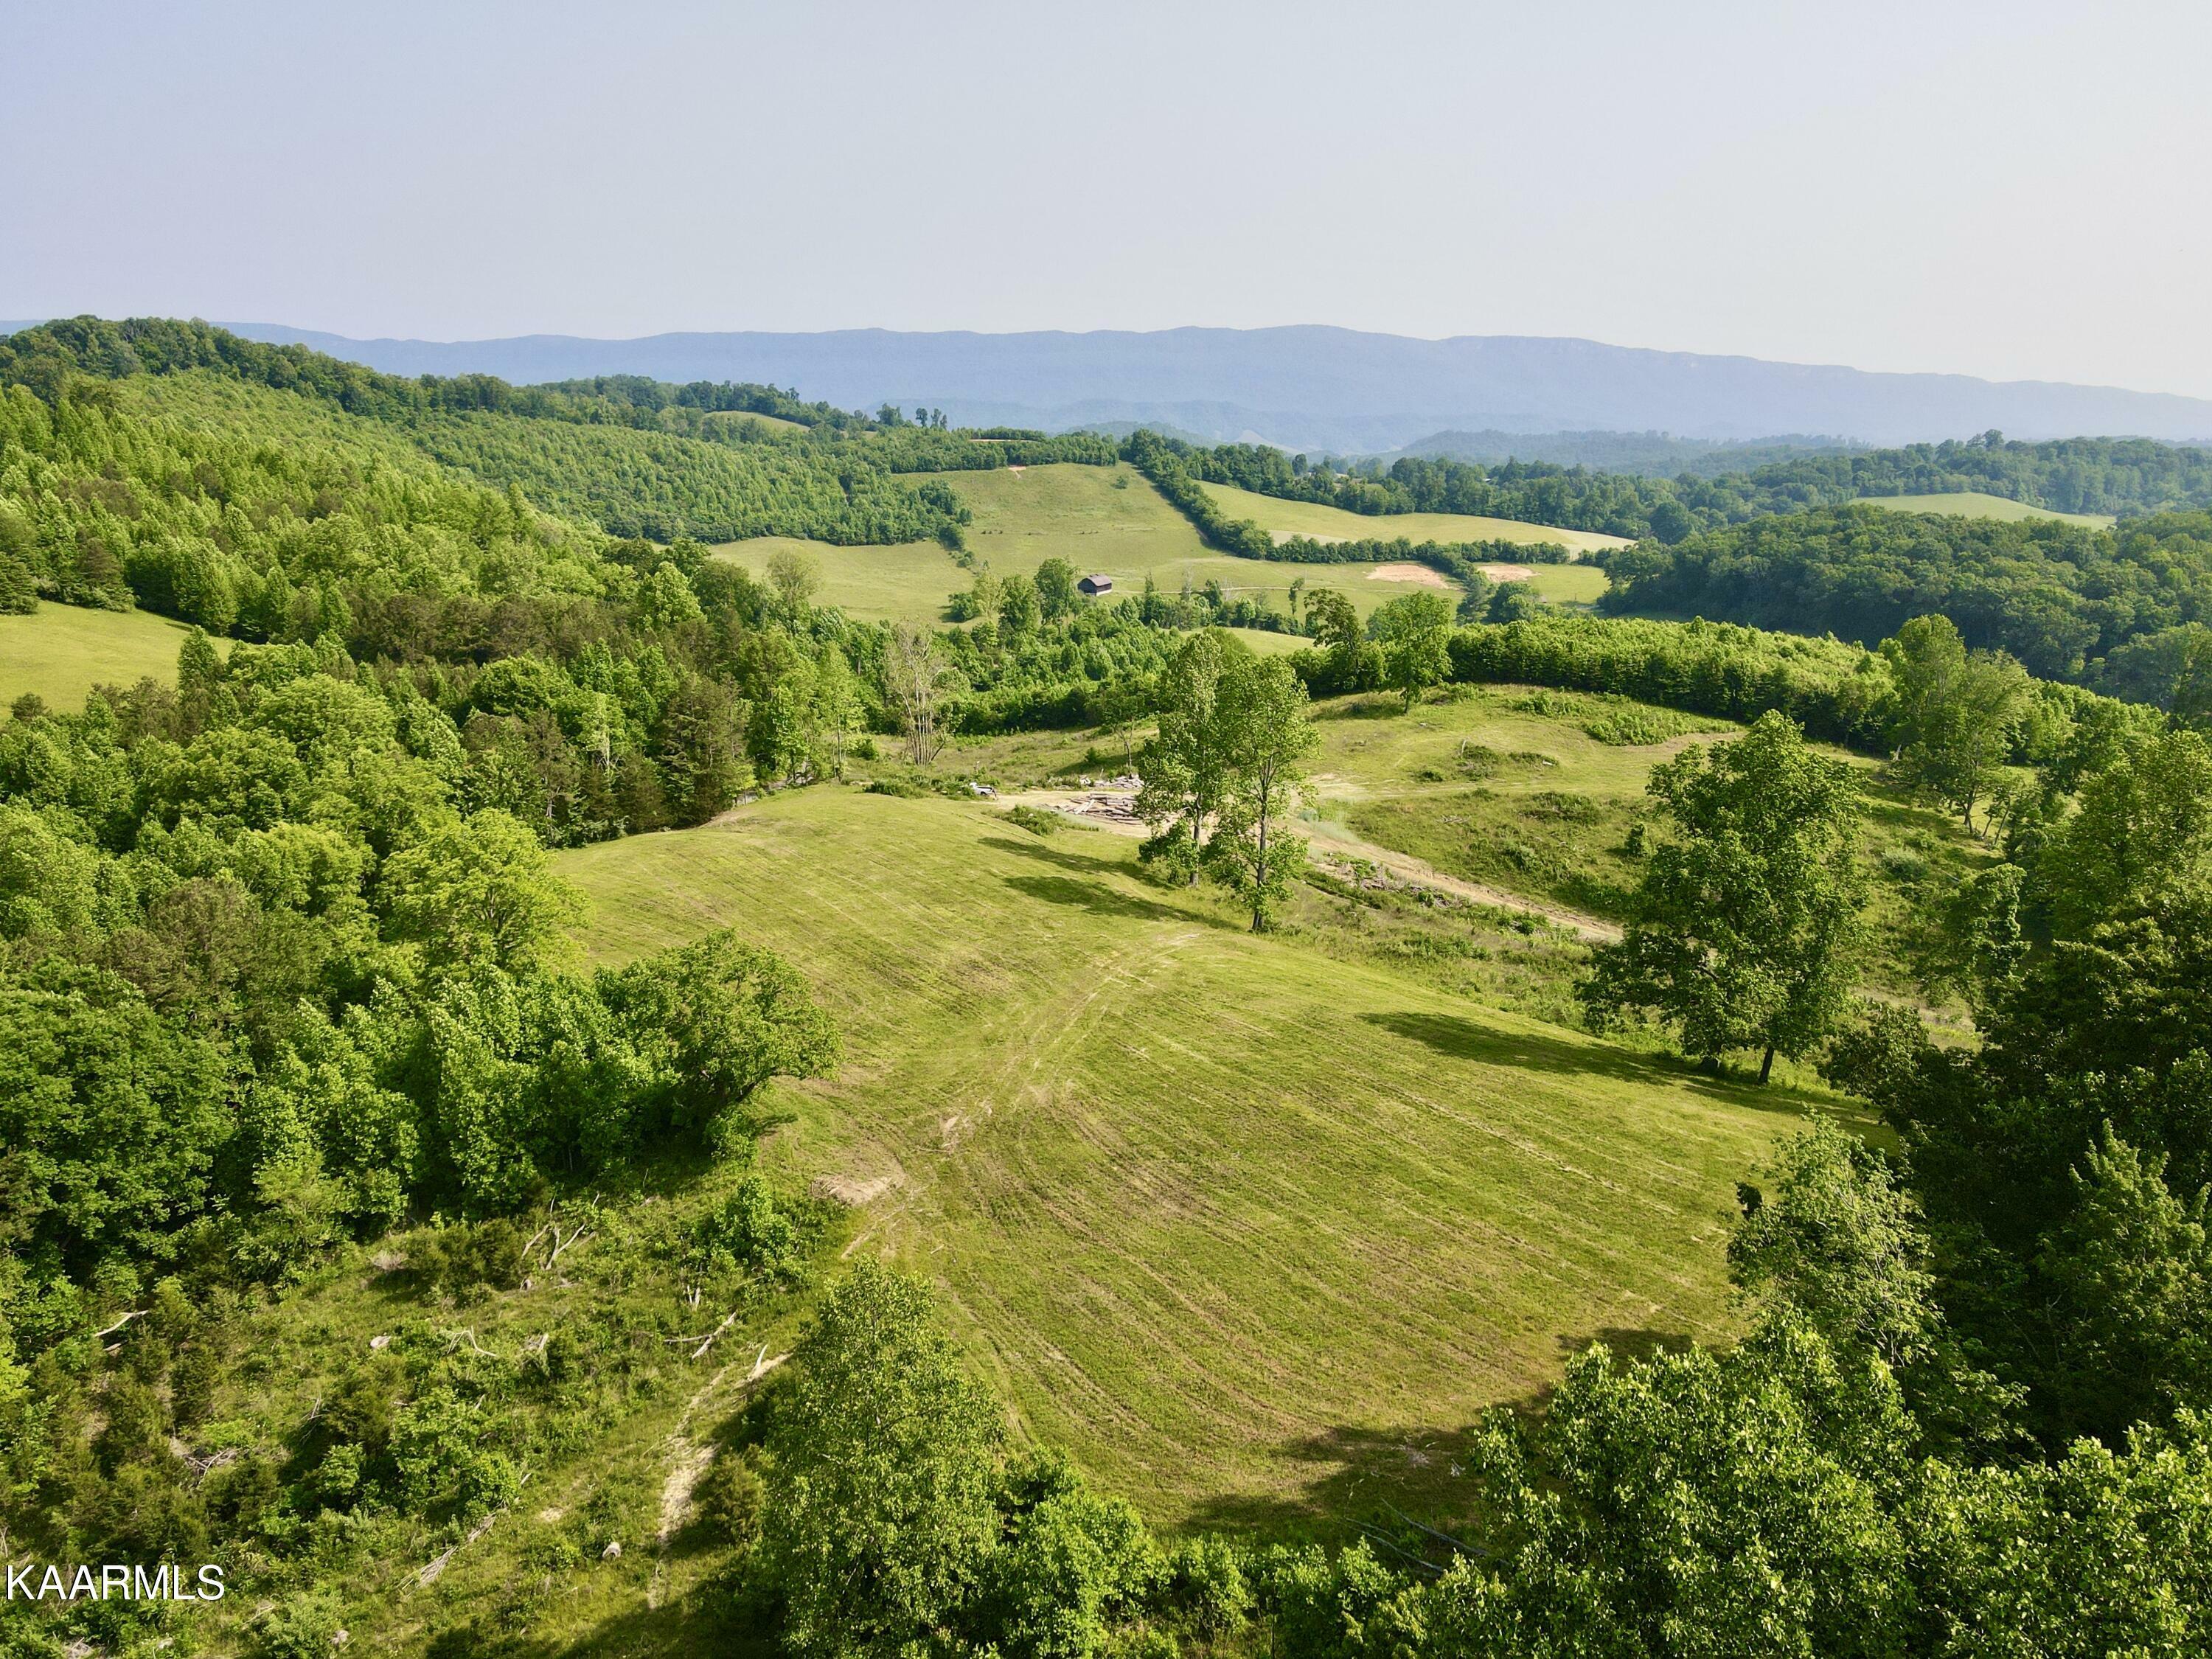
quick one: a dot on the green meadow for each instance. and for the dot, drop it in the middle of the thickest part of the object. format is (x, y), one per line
(1282, 518)
(1105, 521)
(1255, 1228)
(1973, 504)
(62, 650)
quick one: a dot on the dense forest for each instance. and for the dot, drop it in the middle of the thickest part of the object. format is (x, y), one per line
(2106, 607)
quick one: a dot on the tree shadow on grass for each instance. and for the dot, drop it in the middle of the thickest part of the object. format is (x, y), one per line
(1369, 706)
(1628, 1342)
(1466, 1039)
(1043, 854)
(1352, 1479)
(1100, 899)
(1346, 1475)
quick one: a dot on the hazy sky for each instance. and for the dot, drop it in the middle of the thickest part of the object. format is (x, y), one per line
(2019, 190)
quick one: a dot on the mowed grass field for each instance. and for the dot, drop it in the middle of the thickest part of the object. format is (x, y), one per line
(62, 650)
(908, 579)
(1281, 518)
(1973, 504)
(1253, 1230)
(1107, 520)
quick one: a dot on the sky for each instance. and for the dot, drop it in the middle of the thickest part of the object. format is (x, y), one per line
(2018, 190)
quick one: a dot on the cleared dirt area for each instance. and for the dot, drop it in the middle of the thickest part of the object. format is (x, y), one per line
(1407, 572)
(1506, 572)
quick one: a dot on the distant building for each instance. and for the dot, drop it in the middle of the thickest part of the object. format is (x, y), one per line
(1096, 585)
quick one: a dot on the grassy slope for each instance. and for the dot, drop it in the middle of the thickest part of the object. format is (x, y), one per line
(1107, 519)
(62, 650)
(1972, 504)
(1546, 811)
(1240, 1223)
(1281, 518)
(906, 579)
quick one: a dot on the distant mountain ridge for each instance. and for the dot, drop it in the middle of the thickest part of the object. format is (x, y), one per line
(1315, 387)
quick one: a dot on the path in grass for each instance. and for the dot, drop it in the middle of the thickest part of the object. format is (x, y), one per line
(1334, 845)
(1242, 1225)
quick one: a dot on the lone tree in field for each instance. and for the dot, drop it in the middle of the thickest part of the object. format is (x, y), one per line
(1265, 736)
(1743, 928)
(916, 679)
(1953, 711)
(1180, 770)
(1414, 631)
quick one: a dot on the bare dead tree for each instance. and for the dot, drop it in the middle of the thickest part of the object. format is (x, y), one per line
(915, 678)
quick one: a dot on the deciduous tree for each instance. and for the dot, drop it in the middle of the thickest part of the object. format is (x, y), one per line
(1744, 923)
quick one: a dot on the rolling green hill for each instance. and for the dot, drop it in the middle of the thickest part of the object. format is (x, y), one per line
(1109, 520)
(1194, 1193)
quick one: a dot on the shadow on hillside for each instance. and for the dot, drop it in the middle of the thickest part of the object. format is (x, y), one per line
(1350, 1475)
(1370, 706)
(1354, 1477)
(1087, 862)
(1464, 1039)
(1100, 899)
(1628, 1342)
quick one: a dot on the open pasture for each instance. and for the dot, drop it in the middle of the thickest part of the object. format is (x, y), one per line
(1973, 504)
(1254, 1232)
(1104, 520)
(1282, 519)
(62, 650)
(1537, 792)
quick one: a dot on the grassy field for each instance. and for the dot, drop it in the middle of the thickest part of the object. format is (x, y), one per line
(1972, 504)
(875, 584)
(1103, 519)
(62, 650)
(1255, 1229)
(729, 417)
(1535, 792)
(1282, 518)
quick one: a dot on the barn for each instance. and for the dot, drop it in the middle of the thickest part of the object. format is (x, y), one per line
(1096, 585)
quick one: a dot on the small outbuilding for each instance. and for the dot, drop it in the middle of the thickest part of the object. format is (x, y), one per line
(1095, 586)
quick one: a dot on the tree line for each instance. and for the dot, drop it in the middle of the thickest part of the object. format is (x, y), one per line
(1163, 462)
(2111, 608)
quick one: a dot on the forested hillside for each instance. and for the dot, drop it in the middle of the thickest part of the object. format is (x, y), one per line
(2104, 606)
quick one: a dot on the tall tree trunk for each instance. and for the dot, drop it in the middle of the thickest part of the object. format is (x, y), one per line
(1766, 1064)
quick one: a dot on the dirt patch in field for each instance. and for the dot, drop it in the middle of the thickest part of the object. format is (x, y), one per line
(1506, 572)
(1407, 572)
(853, 1192)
